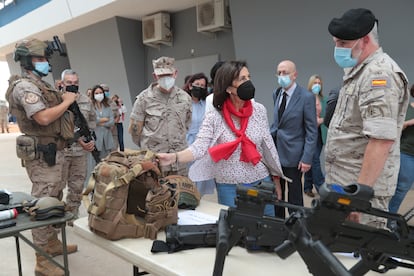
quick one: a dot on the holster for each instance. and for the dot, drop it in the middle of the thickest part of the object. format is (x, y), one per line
(49, 153)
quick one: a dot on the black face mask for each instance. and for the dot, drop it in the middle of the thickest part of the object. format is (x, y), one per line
(72, 88)
(198, 92)
(246, 90)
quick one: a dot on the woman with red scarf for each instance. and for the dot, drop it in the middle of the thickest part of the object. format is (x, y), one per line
(234, 144)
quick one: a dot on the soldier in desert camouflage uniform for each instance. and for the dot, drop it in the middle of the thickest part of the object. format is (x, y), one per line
(77, 151)
(161, 115)
(363, 144)
(4, 116)
(42, 115)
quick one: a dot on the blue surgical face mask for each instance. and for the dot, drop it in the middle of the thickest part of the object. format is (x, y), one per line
(42, 67)
(316, 88)
(107, 94)
(284, 80)
(343, 57)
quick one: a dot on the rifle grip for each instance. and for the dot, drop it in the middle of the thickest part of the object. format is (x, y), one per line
(222, 246)
(285, 249)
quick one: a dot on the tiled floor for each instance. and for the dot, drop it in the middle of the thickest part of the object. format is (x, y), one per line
(90, 259)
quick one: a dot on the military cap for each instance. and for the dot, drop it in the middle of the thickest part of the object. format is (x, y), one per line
(104, 86)
(163, 66)
(354, 24)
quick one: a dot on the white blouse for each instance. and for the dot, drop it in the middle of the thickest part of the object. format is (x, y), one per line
(214, 130)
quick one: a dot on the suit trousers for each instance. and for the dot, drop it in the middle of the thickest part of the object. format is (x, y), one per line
(295, 192)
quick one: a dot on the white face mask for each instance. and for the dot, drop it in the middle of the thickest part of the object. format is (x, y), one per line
(99, 97)
(166, 82)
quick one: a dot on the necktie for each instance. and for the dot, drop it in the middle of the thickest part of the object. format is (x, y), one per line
(282, 105)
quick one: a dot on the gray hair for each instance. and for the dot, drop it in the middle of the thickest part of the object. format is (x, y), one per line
(67, 72)
(374, 33)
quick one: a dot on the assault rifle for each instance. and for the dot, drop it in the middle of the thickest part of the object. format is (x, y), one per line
(246, 224)
(324, 228)
(82, 128)
(243, 225)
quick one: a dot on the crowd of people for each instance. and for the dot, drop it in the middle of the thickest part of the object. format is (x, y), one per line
(216, 133)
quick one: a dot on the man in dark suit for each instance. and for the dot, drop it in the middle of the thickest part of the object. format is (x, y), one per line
(294, 131)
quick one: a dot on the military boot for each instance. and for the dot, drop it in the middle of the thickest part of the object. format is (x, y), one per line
(75, 213)
(46, 268)
(54, 247)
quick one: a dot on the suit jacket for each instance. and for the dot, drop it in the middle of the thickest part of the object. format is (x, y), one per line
(296, 132)
(330, 105)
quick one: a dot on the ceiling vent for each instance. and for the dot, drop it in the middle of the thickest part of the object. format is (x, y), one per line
(213, 15)
(156, 30)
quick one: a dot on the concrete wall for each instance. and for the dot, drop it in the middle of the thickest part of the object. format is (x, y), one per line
(264, 33)
(43, 17)
(298, 30)
(109, 52)
(112, 52)
(186, 37)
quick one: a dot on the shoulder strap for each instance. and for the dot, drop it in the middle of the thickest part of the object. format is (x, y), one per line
(123, 180)
(13, 80)
(134, 171)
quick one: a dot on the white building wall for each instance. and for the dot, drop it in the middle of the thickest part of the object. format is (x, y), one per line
(51, 14)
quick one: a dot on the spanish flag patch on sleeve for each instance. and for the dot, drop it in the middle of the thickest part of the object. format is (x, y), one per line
(379, 82)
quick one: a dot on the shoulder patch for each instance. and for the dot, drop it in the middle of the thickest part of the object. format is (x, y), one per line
(379, 82)
(31, 98)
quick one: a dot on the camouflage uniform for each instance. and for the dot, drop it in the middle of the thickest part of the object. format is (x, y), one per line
(4, 112)
(75, 168)
(46, 180)
(166, 118)
(371, 104)
(114, 131)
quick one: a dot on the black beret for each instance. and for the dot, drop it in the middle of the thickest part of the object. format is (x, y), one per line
(353, 24)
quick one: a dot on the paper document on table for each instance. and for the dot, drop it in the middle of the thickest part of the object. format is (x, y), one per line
(193, 217)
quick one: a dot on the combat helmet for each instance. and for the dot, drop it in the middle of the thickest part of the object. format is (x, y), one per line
(27, 49)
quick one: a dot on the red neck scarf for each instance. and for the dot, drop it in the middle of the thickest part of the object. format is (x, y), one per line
(249, 152)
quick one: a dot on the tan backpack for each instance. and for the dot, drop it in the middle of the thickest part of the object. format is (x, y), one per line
(128, 200)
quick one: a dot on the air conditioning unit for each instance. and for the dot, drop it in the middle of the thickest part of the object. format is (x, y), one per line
(213, 15)
(156, 29)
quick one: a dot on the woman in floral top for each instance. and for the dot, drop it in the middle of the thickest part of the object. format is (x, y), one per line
(234, 144)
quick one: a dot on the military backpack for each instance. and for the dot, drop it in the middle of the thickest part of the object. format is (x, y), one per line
(128, 200)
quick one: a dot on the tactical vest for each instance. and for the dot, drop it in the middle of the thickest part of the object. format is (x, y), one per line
(56, 132)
